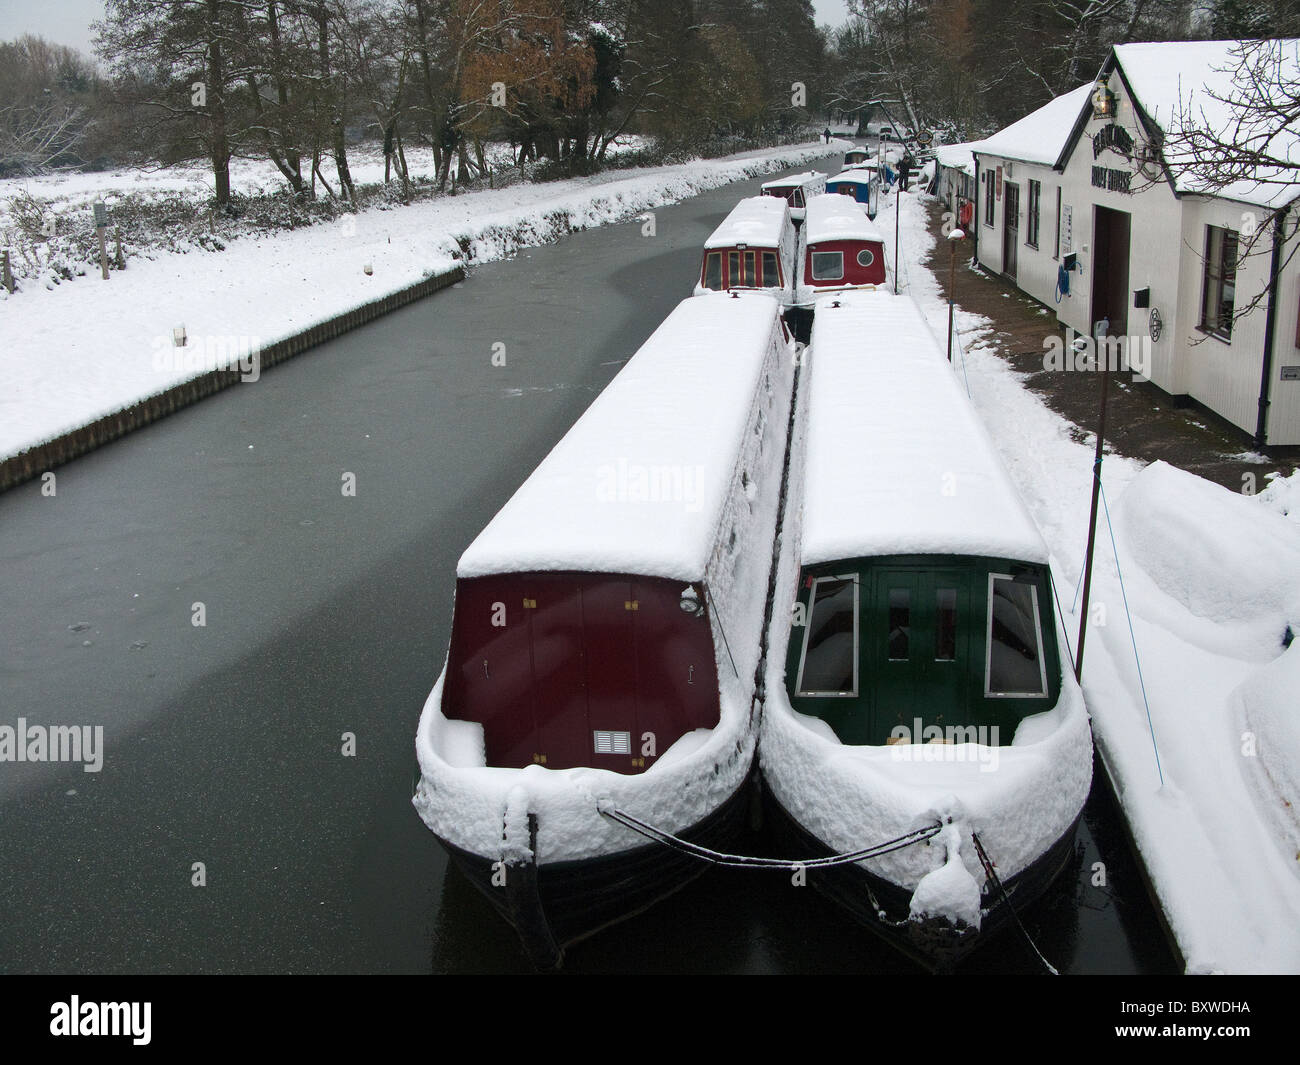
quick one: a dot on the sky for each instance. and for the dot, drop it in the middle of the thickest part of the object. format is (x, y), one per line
(68, 21)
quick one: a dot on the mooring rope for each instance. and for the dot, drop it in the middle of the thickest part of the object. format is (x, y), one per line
(744, 861)
(992, 874)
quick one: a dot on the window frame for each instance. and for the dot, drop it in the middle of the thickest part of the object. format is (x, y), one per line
(1045, 688)
(1210, 280)
(704, 280)
(857, 636)
(1057, 254)
(871, 258)
(1033, 209)
(812, 265)
(990, 199)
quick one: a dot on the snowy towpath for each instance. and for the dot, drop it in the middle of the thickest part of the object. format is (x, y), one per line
(86, 348)
(1213, 580)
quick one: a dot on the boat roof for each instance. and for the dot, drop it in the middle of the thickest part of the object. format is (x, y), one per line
(857, 175)
(794, 180)
(757, 220)
(897, 460)
(638, 485)
(834, 217)
(857, 148)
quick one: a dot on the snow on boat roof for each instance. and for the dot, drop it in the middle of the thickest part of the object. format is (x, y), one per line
(835, 217)
(757, 220)
(639, 483)
(1041, 135)
(858, 176)
(794, 180)
(897, 461)
(1199, 76)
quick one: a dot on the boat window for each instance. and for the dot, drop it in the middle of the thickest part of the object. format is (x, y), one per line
(771, 276)
(865, 258)
(733, 269)
(1014, 665)
(713, 271)
(796, 198)
(829, 665)
(827, 265)
(900, 623)
(945, 628)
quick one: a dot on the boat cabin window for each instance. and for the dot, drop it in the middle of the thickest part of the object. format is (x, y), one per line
(829, 663)
(865, 257)
(796, 198)
(827, 265)
(713, 271)
(1014, 667)
(771, 275)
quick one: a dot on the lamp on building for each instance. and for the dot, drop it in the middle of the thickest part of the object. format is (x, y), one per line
(1103, 100)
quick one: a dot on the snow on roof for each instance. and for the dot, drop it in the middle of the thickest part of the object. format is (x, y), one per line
(1198, 77)
(639, 482)
(958, 156)
(794, 180)
(836, 217)
(857, 176)
(1041, 135)
(897, 460)
(758, 220)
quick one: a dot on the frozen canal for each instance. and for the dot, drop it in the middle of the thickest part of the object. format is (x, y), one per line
(326, 614)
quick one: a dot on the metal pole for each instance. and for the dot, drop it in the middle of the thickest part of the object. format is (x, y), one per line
(1092, 519)
(952, 281)
(898, 252)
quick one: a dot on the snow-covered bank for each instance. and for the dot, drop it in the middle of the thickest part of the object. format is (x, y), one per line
(1211, 579)
(78, 351)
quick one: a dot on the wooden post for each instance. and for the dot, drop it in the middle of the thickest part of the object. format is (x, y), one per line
(954, 238)
(6, 274)
(898, 252)
(101, 223)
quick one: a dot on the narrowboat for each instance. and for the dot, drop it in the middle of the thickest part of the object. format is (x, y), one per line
(755, 247)
(861, 186)
(607, 633)
(842, 249)
(915, 685)
(857, 156)
(796, 190)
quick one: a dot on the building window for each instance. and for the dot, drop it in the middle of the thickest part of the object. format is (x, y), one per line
(989, 193)
(1218, 294)
(1057, 253)
(1035, 198)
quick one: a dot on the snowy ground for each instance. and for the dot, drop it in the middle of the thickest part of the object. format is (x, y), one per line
(73, 352)
(1213, 581)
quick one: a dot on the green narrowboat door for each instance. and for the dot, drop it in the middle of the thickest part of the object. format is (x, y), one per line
(916, 658)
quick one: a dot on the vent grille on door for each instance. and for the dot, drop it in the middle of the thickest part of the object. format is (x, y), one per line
(613, 742)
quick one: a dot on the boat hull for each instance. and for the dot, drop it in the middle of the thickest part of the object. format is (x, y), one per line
(553, 905)
(934, 944)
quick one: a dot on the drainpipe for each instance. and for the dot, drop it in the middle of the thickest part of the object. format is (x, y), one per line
(975, 234)
(1270, 322)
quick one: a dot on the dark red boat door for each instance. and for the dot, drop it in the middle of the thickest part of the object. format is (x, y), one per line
(554, 609)
(609, 611)
(676, 677)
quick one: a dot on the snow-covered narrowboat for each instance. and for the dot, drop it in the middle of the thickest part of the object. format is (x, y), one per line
(862, 186)
(755, 247)
(797, 190)
(916, 685)
(842, 249)
(607, 635)
(857, 156)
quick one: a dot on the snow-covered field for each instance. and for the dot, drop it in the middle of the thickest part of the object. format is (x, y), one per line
(1213, 582)
(76, 351)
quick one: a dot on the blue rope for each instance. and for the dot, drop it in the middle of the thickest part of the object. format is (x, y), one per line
(1132, 637)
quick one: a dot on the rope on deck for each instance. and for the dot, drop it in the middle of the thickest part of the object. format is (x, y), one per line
(743, 861)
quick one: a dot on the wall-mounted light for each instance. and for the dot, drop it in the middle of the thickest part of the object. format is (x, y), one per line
(1103, 100)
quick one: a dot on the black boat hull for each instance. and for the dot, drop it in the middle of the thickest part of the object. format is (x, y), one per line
(934, 944)
(556, 904)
